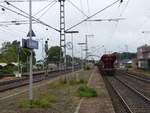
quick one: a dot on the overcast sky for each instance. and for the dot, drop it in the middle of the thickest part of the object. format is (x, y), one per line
(125, 35)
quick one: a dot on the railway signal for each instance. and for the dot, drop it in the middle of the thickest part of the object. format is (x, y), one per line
(46, 52)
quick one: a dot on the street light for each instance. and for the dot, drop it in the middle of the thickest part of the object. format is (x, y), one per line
(72, 32)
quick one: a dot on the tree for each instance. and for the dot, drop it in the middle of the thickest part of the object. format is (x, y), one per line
(10, 52)
(125, 55)
(54, 54)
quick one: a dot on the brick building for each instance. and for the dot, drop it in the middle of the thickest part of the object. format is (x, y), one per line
(143, 57)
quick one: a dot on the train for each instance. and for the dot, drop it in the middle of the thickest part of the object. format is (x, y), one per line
(106, 64)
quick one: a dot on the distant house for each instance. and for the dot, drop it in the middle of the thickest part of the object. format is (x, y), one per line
(3, 65)
(143, 57)
(13, 64)
(125, 62)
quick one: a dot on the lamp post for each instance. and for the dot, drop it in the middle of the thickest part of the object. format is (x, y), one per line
(72, 32)
(81, 44)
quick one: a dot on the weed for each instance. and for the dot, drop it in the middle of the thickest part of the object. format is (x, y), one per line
(41, 102)
(85, 91)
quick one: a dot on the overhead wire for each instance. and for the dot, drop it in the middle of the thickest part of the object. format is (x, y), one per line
(27, 15)
(47, 9)
(93, 15)
(77, 8)
(44, 8)
(88, 6)
(15, 22)
(24, 1)
(121, 14)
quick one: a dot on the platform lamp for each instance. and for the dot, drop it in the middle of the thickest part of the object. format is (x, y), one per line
(72, 32)
(81, 44)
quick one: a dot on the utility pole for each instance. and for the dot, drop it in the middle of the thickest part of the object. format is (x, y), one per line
(62, 34)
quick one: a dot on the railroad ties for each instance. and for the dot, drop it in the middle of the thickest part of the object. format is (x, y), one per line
(12, 84)
(129, 93)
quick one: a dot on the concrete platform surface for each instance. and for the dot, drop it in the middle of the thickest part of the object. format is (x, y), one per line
(100, 104)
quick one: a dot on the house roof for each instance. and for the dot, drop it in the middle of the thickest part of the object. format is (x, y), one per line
(3, 64)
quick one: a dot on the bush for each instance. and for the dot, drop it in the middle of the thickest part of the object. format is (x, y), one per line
(128, 66)
(87, 66)
(8, 70)
(85, 91)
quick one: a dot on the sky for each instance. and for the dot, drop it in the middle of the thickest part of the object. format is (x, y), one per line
(124, 35)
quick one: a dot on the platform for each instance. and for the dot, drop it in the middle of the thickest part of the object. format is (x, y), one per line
(100, 104)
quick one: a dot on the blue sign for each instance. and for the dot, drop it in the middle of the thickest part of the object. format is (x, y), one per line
(30, 44)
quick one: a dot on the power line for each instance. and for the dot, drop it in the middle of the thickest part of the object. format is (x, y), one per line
(24, 1)
(14, 22)
(93, 15)
(27, 15)
(77, 8)
(32, 16)
(44, 8)
(47, 9)
(88, 6)
(120, 16)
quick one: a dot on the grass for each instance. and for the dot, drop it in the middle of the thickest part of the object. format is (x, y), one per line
(41, 102)
(56, 85)
(77, 82)
(70, 82)
(85, 91)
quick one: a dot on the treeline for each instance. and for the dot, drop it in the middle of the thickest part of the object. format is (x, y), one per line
(125, 55)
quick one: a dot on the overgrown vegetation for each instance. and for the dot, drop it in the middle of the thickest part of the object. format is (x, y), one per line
(77, 82)
(128, 66)
(85, 91)
(8, 70)
(41, 102)
(65, 83)
(87, 66)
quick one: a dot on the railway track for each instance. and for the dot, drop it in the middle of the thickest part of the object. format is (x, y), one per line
(139, 83)
(126, 99)
(119, 103)
(12, 84)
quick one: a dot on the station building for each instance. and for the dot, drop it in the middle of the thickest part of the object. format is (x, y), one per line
(143, 57)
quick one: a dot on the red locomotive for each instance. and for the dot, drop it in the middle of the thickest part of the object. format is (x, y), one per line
(106, 64)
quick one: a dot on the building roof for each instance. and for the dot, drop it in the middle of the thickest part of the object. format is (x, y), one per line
(3, 64)
(6, 64)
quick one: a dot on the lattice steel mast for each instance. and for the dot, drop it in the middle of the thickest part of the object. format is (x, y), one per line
(62, 32)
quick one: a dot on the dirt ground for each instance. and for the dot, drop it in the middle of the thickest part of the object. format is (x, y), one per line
(66, 99)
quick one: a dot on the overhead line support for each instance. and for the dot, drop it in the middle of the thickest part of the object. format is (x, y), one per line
(62, 34)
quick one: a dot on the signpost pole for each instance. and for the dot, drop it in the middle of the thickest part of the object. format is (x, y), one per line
(31, 53)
